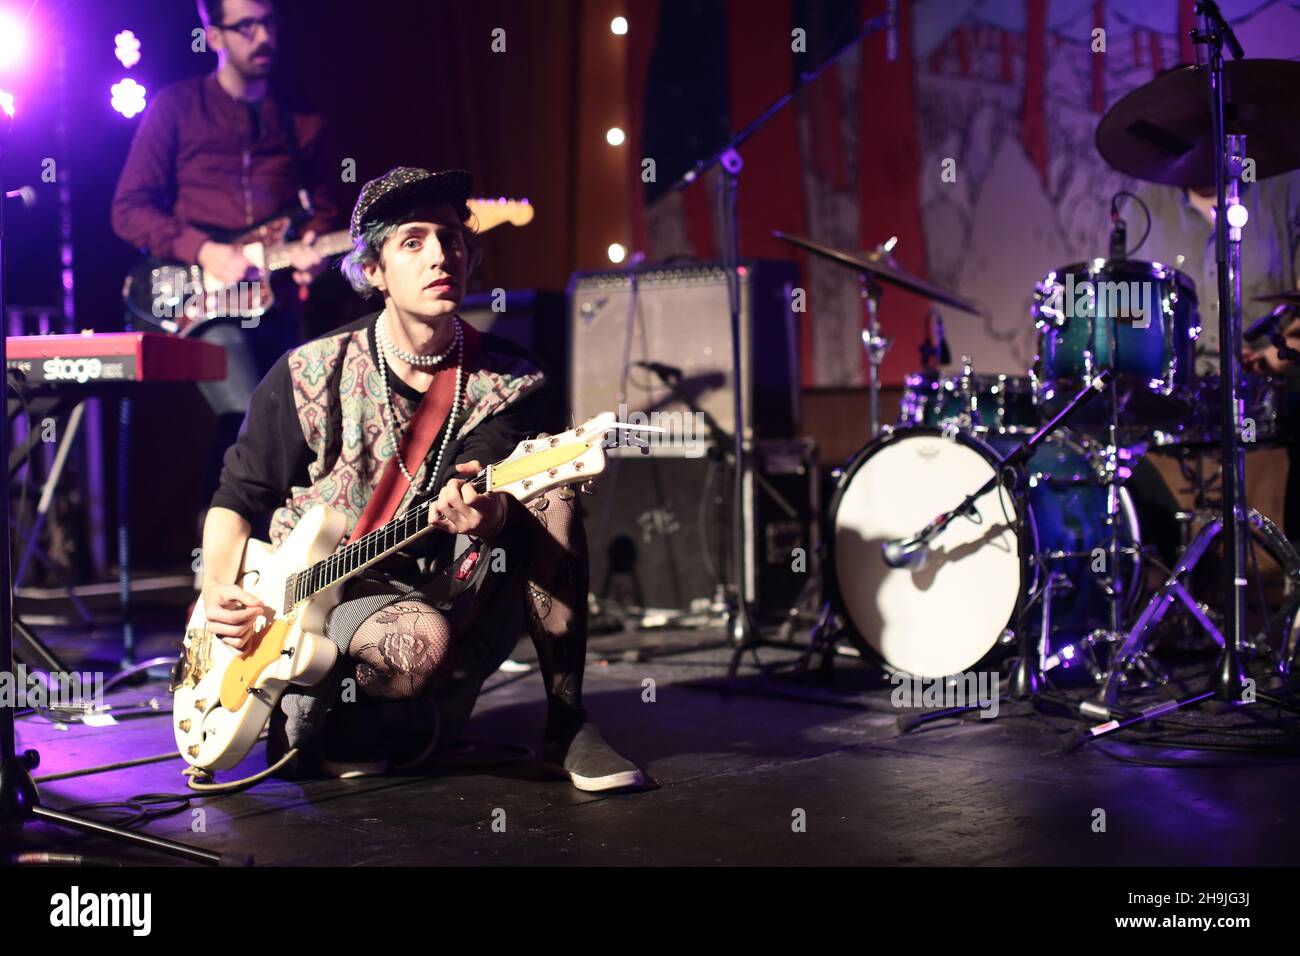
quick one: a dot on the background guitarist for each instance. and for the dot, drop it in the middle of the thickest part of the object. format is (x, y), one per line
(223, 150)
(327, 426)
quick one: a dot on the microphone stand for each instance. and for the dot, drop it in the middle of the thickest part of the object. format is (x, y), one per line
(740, 621)
(19, 800)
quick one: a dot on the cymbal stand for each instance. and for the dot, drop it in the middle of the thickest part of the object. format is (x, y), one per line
(1230, 684)
(876, 345)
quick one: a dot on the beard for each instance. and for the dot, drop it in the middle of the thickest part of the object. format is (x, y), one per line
(255, 69)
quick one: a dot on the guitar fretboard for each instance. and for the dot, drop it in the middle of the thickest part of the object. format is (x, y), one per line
(367, 549)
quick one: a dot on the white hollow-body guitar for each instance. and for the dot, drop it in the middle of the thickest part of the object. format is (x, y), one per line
(222, 698)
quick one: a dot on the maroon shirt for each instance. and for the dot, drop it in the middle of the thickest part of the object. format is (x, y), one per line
(201, 157)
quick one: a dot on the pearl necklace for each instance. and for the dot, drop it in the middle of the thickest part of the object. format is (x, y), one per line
(388, 401)
(411, 358)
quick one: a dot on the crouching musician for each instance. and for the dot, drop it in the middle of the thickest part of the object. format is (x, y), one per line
(393, 416)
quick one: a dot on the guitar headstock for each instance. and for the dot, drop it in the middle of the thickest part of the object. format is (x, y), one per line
(539, 464)
(490, 213)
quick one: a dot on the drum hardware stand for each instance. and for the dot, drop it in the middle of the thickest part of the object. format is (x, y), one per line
(1230, 682)
(19, 799)
(876, 345)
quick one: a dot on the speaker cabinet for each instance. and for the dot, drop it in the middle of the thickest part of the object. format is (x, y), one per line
(679, 318)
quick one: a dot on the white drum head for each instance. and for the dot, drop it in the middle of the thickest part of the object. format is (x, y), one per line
(944, 616)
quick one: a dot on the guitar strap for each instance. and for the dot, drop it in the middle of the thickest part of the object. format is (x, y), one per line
(425, 426)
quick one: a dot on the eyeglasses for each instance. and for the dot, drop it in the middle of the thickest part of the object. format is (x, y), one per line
(247, 27)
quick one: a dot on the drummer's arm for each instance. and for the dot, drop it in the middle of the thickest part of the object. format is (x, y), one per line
(1266, 360)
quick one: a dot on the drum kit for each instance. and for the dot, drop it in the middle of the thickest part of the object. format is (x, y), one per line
(1038, 542)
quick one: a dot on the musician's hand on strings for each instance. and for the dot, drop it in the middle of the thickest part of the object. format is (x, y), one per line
(461, 509)
(226, 263)
(232, 613)
(306, 261)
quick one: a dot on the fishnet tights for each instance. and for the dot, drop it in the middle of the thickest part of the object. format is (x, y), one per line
(403, 649)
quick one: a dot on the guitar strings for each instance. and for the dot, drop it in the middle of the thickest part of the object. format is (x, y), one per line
(327, 568)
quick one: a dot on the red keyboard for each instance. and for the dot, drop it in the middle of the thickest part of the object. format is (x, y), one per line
(94, 358)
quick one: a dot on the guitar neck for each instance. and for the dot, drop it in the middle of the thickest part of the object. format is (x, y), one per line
(329, 244)
(360, 554)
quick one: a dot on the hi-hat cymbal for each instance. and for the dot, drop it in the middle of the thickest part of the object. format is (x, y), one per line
(1161, 132)
(885, 269)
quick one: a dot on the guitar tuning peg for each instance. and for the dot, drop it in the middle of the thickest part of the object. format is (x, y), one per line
(588, 487)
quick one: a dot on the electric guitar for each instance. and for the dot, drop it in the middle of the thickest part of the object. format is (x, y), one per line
(222, 698)
(177, 297)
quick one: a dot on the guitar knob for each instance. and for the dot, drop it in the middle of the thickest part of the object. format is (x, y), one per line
(185, 726)
(201, 704)
(192, 750)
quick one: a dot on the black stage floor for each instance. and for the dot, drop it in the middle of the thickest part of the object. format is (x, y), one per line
(732, 772)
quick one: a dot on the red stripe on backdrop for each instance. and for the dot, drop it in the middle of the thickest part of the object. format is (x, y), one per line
(1033, 118)
(1098, 68)
(761, 69)
(1157, 56)
(643, 28)
(1008, 61)
(963, 50)
(1186, 21)
(889, 177)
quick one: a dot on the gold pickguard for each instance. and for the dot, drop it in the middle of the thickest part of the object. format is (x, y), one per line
(243, 672)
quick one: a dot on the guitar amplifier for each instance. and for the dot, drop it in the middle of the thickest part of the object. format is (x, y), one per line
(658, 527)
(679, 317)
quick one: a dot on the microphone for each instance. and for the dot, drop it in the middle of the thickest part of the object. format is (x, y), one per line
(25, 195)
(891, 31)
(1118, 231)
(905, 552)
(669, 373)
(1266, 324)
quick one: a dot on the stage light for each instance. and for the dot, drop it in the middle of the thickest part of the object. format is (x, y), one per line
(614, 136)
(128, 97)
(616, 252)
(1237, 215)
(618, 26)
(126, 48)
(7, 103)
(13, 40)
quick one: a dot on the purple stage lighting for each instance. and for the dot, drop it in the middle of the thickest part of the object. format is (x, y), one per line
(13, 40)
(126, 48)
(7, 102)
(128, 97)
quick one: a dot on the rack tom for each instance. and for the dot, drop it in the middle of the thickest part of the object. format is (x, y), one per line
(1137, 319)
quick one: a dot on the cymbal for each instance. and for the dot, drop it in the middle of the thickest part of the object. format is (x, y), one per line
(883, 268)
(1161, 132)
(1279, 298)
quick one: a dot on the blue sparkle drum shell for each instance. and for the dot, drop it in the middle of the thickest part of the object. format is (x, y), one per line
(1138, 319)
(981, 403)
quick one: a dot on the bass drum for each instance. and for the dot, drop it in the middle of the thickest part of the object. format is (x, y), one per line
(947, 615)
